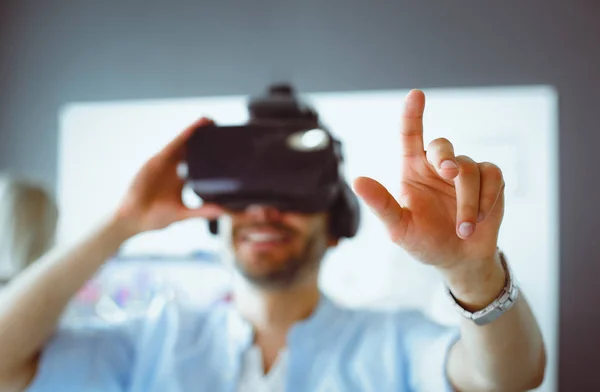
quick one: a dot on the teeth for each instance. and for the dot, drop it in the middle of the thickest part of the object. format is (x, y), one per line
(263, 237)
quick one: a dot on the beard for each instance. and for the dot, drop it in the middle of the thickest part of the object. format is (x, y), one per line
(292, 270)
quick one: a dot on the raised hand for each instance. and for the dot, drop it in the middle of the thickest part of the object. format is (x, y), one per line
(449, 209)
(153, 200)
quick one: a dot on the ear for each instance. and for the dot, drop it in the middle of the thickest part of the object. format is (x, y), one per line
(333, 242)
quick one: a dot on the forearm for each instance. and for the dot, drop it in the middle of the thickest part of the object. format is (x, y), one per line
(31, 305)
(507, 354)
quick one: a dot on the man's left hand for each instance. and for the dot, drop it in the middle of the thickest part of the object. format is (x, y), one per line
(449, 209)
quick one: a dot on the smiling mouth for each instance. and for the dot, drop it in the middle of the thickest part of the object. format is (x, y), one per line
(264, 236)
(259, 237)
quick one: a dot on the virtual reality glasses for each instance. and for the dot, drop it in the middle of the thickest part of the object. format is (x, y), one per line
(283, 157)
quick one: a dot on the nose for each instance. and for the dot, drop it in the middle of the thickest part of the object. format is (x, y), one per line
(263, 213)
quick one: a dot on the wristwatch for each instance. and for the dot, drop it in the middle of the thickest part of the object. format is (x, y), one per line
(504, 302)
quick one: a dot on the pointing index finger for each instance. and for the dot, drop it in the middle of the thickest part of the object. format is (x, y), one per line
(411, 132)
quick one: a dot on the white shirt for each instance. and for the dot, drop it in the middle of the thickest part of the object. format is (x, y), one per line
(253, 377)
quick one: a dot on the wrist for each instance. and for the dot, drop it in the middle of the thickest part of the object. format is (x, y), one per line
(476, 284)
(123, 226)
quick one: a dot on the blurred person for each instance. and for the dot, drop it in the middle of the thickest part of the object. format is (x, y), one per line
(280, 332)
(28, 217)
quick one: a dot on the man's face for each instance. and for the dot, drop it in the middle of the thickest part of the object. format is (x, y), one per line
(275, 249)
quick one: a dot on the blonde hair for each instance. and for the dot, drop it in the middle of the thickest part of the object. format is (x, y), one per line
(28, 217)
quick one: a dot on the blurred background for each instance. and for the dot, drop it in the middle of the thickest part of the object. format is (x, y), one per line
(56, 59)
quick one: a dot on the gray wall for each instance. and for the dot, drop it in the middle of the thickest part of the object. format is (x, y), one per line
(59, 51)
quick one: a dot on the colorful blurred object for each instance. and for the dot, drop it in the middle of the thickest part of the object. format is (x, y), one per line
(126, 287)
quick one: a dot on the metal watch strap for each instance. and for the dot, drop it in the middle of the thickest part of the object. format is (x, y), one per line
(505, 300)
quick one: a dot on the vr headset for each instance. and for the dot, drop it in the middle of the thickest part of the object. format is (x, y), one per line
(282, 157)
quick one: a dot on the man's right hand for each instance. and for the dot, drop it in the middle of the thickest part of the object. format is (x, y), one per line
(153, 200)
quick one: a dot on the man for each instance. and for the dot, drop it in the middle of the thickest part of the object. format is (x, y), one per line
(280, 331)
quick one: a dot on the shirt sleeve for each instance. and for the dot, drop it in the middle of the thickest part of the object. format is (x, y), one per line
(427, 345)
(86, 359)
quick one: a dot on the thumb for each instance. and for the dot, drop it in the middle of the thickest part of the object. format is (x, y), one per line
(383, 205)
(208, 211)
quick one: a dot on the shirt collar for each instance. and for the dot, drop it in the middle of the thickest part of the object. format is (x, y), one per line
(321, 320)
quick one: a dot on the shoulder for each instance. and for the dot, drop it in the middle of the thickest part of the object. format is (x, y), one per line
(422, 343)
(108, 355)
(99, 351)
